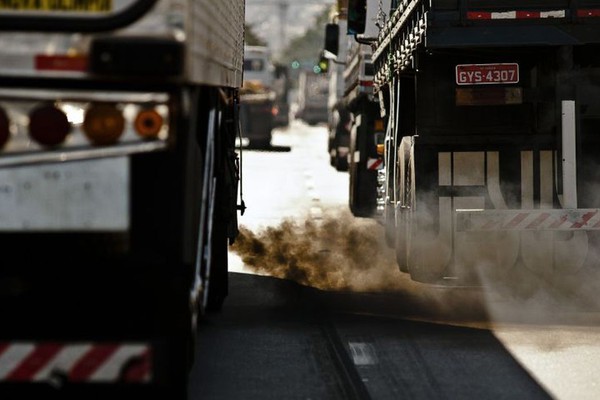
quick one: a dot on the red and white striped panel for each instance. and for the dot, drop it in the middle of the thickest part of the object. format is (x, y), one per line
(76, 362)
(528, 220)
(514, 14)
(374, 164)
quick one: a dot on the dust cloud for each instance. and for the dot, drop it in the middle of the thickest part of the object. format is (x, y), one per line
(347, 258)
(341, 253)
(338, 252)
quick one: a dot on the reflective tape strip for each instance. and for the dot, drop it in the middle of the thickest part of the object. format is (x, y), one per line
(514, 14)
(63, 362)
(12, 357)
(75, 362)
(30, 365)
(588, 13)
(90, 362)
(61, 63)
(110, 370)
(374, 164)
(528, 220)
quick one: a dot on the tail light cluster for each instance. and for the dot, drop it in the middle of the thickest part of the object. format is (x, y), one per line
(49, 124)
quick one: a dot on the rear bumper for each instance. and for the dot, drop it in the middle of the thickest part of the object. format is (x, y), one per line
(257, 120)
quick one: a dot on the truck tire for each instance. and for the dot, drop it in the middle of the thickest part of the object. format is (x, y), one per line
(363, 182)
(219, 279)
(401, 241)
(341, 163)
(360, 197)
(389, 226)
(212, 247)
(405, 183)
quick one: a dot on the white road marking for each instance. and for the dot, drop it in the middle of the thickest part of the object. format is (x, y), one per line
(363, 353)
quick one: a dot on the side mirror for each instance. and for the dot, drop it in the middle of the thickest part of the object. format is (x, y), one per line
(332, 38)
(357, 16)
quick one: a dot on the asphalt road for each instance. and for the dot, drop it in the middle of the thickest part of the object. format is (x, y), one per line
(279, 340)
(318, 310)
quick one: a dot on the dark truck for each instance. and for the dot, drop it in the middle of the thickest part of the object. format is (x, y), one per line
(258, 97)
(312, 97)
(492, 115)
(359, 129)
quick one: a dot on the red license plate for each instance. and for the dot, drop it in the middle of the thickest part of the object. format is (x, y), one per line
(487, 74)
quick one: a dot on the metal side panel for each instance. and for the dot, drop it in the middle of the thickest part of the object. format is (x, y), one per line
(215, 30)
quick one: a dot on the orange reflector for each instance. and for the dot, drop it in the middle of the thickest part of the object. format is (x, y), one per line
(103, 124)
(378, 124)
(4, 128)
(380, 149)
(148, 123)
(48, 125)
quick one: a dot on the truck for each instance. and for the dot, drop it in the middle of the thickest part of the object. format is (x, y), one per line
(119, 181)
(338, 115)
(490, 153)
(282, 86)
(258, 97)
(312, 97)
(359, 130)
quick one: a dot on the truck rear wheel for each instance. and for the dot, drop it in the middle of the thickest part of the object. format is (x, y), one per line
(213, 240)
(363, 182)
(218, 279)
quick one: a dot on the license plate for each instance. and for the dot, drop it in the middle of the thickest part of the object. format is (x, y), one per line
(82, 196)
(487, 74)
(57, 5)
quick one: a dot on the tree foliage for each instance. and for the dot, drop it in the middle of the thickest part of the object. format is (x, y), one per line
(307, 47)
(251, 38)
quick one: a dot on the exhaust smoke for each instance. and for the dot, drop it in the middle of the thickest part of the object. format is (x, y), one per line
(349, 256)
(339, 252)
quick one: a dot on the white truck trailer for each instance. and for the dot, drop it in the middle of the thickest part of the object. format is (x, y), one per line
(118, 189)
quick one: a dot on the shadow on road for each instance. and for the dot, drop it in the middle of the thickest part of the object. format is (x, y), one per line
(269, 148)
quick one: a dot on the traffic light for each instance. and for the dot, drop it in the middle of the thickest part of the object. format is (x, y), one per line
(357, 16)
(323, 65)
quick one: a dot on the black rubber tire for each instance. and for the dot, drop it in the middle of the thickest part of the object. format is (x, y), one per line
(218, 286)
(341, 163)
(401, 248)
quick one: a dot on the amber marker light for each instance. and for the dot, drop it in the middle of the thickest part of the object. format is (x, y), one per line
(48, 125)
(103, 124)
(148, 123)
(4, 128)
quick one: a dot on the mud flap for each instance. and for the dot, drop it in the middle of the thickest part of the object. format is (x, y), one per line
(429, 252)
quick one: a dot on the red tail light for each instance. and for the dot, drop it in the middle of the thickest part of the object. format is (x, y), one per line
(4, 128)
(48, 125)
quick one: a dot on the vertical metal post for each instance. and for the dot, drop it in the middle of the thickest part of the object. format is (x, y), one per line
(569, 154)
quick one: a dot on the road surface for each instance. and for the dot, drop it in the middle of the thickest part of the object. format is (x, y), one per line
(318, 309)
